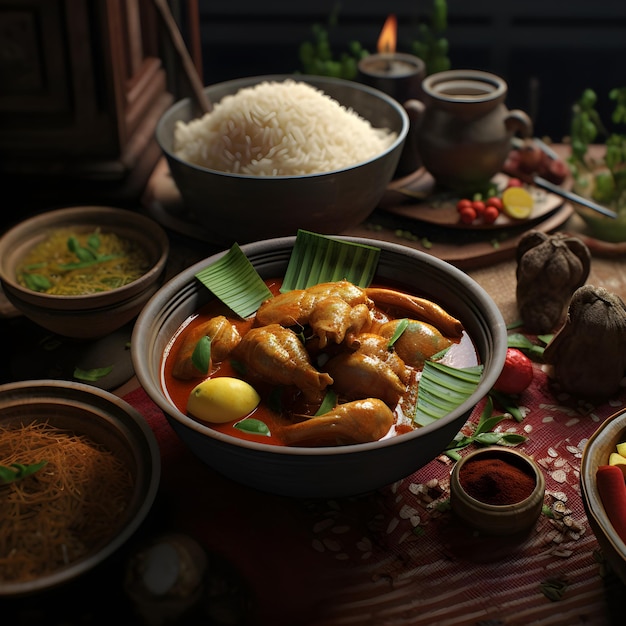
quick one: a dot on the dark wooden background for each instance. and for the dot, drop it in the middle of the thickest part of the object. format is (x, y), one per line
(547, 50)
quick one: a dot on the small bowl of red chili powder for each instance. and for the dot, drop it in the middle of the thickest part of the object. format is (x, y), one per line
(497, 490)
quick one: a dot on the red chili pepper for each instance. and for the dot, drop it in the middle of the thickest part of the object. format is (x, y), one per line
(612, 490)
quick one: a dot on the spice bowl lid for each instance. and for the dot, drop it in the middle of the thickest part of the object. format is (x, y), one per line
(497, 490)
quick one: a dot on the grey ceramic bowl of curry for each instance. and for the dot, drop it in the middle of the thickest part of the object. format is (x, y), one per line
(94, 314)
(325, 471)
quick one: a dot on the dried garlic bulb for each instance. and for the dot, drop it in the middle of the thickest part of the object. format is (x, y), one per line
(588, 354)
(549, 269)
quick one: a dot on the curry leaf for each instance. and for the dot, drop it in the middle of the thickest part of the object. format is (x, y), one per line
(253, 426)
(92, 375)
(17, 471)
(328, 404)
(521, 342)
(400, 328)
(36, 282)
(201, 356)
(507, 404)
(93, 241)
(483, 433)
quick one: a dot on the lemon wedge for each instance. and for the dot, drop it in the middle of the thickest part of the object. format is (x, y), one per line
(517, 203)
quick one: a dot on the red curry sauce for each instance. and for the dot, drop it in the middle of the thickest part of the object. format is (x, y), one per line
(462, 354)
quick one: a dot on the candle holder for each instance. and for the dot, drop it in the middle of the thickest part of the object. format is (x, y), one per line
(400, 76)
(397, 74)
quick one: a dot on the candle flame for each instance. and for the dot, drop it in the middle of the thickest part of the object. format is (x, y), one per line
(388, 35)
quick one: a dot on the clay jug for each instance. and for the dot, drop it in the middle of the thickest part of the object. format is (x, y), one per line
(464, 127)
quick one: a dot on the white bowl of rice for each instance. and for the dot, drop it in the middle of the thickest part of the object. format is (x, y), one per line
(282, 153)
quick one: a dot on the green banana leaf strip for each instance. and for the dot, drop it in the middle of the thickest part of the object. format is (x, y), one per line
(443, 388)
(318, 259)
(235, 281)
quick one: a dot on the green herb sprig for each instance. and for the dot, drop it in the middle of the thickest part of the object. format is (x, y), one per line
(483, 434)
(18, 471)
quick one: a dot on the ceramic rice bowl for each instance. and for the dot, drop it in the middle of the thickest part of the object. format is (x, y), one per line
(246, 208)
(106, 420)
(324, 471)
(596, 453)
(93, 315)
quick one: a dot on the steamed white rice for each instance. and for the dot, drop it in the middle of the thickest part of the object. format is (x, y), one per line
(279, 129)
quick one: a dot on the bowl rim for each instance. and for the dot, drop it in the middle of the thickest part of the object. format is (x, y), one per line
(587, 481)
(82, 394)
(185, 278)
(87, 214)
(313, 80)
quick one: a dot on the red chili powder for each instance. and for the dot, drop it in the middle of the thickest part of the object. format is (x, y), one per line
(495, 481)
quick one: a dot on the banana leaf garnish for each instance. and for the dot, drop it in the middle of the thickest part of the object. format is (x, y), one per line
(443, 388)
(235, 281)
(319, 259)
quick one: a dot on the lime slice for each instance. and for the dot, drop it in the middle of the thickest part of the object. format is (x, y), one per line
(517, 203)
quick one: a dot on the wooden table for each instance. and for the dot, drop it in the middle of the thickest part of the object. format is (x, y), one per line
(390, 557)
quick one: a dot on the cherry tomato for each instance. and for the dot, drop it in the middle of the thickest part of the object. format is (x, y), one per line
(517, 373)
(478, 206)
(490, 215)
(461, 204)
(468, 214)
(495, 202)
(515, 182)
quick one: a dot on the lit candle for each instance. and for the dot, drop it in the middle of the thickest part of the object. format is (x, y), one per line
(397, 74)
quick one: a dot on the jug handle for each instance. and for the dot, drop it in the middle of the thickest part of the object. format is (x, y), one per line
(415, 109)
(517, 121)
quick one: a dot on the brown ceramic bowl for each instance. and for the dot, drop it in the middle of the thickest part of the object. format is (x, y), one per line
(329, 471)
(494, 519)
(108, 421)
(245, 208)
(597, 450)
(94, 315)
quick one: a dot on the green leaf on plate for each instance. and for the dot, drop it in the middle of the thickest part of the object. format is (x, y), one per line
(443, 388)
(319, 259)
(201, 355)
(92, 375)
(253, 426)
(235, 281)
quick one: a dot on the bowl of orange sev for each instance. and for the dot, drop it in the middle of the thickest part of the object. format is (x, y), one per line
(79, 471)
(84, 271)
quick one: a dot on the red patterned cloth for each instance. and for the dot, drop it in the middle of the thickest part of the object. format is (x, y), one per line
(398, 555)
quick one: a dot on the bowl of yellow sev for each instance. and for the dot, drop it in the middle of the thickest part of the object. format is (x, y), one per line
(84, 271)
(79, 472)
